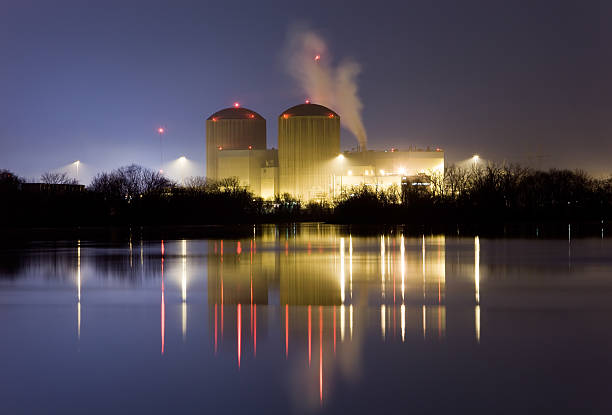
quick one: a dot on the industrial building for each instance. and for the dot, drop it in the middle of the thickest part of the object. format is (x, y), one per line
(308, 163)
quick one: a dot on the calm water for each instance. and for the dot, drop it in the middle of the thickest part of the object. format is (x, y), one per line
(307, 320)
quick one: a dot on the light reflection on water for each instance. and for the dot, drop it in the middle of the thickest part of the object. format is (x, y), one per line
(327, 307)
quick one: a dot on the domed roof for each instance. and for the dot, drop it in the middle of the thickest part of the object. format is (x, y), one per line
(235, 113)
(308, 110)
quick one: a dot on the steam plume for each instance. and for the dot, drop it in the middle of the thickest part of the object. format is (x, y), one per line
(323, 83)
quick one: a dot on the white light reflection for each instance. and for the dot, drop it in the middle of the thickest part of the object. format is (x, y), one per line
(342, 283)
(382, 265)
(79, 289)
(477, 322)
(477, 268)
(342, 319)
(403, 267)
(403, 321)
(383, 321)
(351, 265)
(424, 321)
(184, 270)
(423, 260)
(351, 321)
(184, 286)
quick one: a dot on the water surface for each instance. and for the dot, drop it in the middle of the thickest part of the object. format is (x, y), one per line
(307, 319)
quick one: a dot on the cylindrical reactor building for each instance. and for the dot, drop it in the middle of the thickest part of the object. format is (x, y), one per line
(233, 128)
(308, 146)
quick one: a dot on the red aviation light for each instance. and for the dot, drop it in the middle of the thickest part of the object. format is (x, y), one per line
(438, 149)
(214, 119)
(161, 130)
(317, 58)
(307, 101)
(236, 105)
(220, 148)
(285, 116)
(250, 147)
(251, 116)
(331, 115)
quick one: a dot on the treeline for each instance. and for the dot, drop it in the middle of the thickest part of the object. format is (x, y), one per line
(485, 194)
(134, 195)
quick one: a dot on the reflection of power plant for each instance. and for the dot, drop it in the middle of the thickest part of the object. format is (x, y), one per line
(308, 267)
(308, 163)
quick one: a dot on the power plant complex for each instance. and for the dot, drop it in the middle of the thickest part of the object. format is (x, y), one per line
(308, 164)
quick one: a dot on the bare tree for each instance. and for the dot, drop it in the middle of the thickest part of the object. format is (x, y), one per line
(200, 184)
(130, 181)
(57, 178)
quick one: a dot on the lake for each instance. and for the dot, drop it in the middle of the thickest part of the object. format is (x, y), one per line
(307, 319)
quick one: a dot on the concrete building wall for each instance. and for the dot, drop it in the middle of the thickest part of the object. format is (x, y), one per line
(248, 166)
(407, 162)
(269, 182)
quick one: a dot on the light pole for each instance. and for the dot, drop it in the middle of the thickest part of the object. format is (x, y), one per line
(161, 131)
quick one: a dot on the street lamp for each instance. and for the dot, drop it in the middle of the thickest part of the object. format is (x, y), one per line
(161, 131)
(475, 158)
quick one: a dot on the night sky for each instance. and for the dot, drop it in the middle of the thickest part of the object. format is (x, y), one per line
(524, 81)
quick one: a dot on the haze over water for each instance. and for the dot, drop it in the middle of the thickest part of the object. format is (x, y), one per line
(307, 319)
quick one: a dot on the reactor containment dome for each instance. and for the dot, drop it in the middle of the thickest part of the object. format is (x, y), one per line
(233, 128)
(308, 146)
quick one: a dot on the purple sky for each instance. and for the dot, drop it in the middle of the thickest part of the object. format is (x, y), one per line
(511, 80)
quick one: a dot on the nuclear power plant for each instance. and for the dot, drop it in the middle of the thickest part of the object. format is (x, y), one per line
(308, 164)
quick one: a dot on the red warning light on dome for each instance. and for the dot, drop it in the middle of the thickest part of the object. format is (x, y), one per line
(161, 130)
(250, 147)
(251, 115)
(236, 104)
(220, 148)
(307, 101)
(285, 116)
(317, 58)
(331, 115)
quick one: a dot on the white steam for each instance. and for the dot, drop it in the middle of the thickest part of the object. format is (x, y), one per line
(322, 83)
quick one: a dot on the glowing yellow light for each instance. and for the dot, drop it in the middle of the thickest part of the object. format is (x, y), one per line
(350, 172)
(182, 159)
(475, 157)
(340, 157)
(382, 172)
(402, 170)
